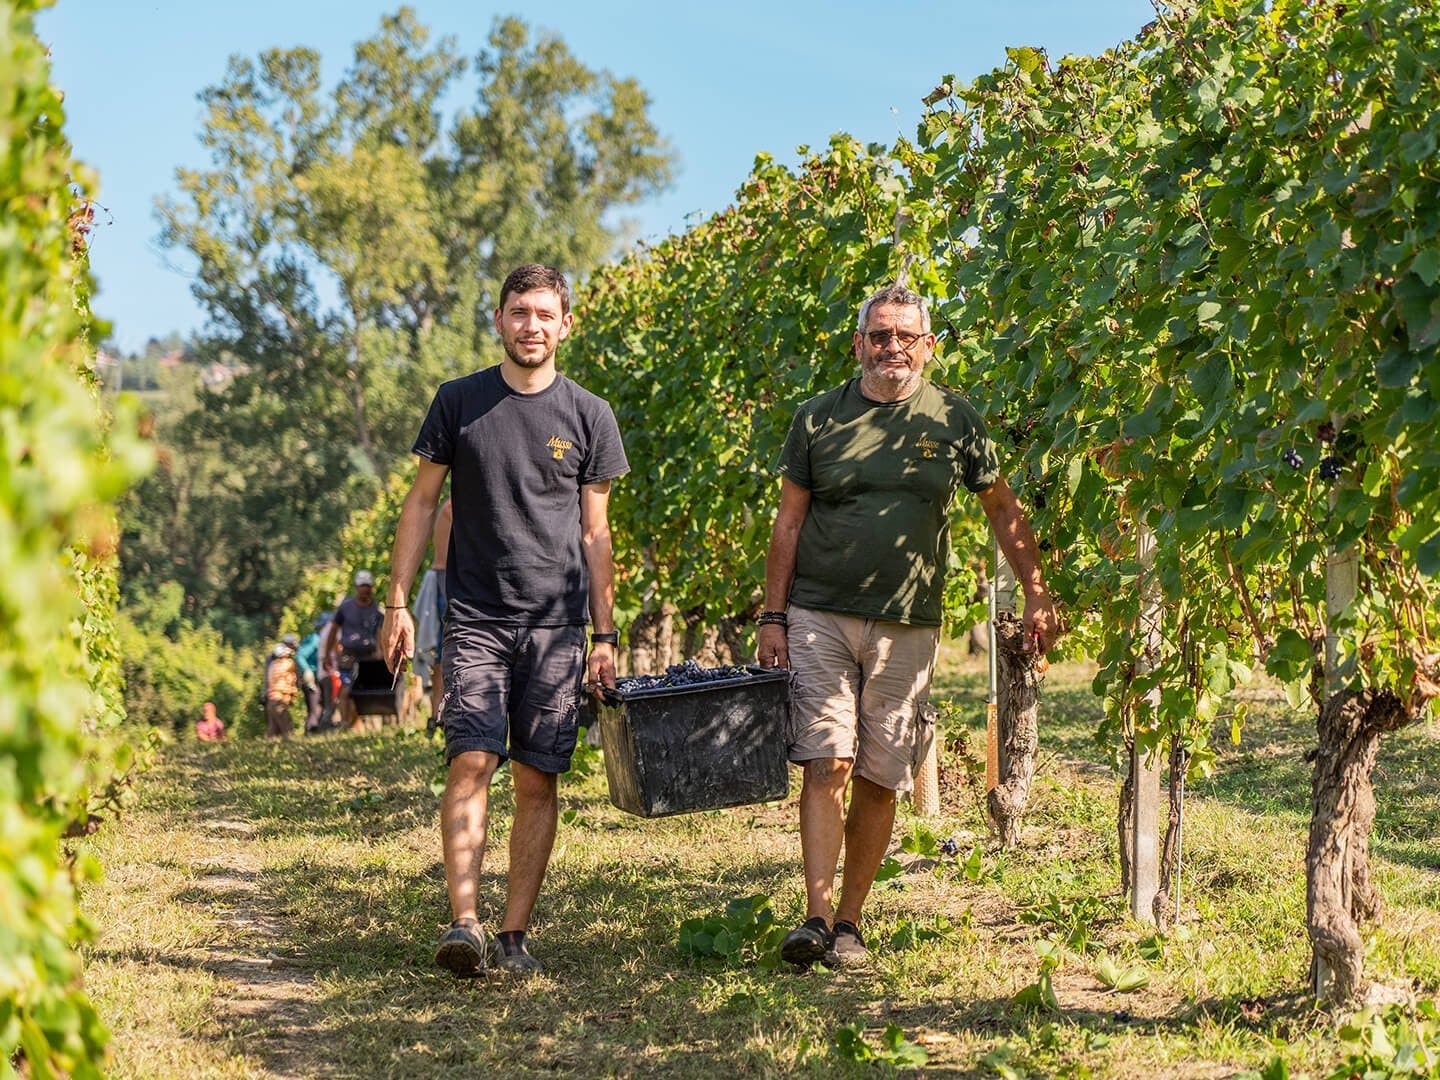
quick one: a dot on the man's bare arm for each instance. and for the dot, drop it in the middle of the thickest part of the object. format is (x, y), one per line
(412, 537)
(1017, 541)
(772, 643)
(599, 561)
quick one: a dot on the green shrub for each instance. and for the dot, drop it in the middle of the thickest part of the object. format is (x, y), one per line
(1397, 1040)
(173, 668)
(64, 464)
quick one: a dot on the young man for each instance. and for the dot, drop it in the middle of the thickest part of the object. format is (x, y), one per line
(532, 456)
(854, 582)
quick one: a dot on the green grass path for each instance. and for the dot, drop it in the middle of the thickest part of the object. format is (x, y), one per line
(270, 910)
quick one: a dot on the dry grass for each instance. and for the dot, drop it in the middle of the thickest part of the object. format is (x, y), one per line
(271, 909)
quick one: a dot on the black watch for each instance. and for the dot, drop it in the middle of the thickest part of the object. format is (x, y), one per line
(610, 637)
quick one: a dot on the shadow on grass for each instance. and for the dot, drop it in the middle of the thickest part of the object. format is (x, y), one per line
(1266, 774)
(618, 998)
(1044, 1038)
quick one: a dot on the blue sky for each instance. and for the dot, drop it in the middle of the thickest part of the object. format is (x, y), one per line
(727, 81)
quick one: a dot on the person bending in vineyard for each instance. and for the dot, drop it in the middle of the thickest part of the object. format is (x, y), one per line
(532, 455)
(854, 581)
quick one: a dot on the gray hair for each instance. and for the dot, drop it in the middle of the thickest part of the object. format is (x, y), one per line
(894, 296)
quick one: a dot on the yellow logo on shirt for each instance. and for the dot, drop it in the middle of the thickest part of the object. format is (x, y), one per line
(558, 446)
(927, 447)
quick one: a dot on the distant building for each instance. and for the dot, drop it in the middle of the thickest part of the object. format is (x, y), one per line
(219, 375)
(108, 371)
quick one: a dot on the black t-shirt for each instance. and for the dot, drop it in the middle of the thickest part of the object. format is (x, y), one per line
(517, 462)
(358, 625)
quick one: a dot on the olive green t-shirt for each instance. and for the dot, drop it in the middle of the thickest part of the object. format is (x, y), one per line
(881, 476)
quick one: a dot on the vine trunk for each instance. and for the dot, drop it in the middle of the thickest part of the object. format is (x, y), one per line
(652, 641)
(1340, 894)
(1163, 906)
(1017, 727)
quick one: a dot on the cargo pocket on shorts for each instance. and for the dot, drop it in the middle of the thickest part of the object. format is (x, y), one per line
(925, 715)
(567, 701)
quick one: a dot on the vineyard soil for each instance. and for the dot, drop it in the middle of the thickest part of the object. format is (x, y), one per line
(270, 910)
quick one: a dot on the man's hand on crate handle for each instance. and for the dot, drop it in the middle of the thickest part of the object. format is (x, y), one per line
(397, 636)
(772, 646)
(602, 667)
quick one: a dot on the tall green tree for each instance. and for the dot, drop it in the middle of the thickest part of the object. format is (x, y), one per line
(351, 242)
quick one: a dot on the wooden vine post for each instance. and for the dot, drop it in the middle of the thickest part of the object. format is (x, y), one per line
(1143, 826)
(927, 782)
(1002, 598)
(1012, 727)
(1342, 582)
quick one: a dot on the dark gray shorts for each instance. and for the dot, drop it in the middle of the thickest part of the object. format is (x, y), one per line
(524, 680)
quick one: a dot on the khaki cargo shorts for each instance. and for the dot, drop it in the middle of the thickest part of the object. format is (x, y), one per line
(860, 691)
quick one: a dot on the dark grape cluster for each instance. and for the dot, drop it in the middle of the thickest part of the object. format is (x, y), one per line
(1330, 468)
(1292, 458)
(949, 848)
(689, 673)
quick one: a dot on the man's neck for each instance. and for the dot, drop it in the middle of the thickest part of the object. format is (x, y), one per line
(886, 391)
(527, 380)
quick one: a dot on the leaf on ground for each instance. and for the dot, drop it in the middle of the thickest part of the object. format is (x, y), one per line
(890, 869)
(1121, 980)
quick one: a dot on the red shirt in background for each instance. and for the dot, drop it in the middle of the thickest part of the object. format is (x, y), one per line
(210, 728)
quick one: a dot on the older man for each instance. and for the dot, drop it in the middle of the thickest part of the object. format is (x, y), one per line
(854, 585)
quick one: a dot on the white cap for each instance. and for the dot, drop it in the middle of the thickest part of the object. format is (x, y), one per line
(364, 577)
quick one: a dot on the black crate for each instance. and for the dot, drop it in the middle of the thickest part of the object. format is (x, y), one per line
(375, 689)
(679, 749)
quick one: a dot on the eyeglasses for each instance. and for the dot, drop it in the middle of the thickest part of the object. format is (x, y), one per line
(880, 338)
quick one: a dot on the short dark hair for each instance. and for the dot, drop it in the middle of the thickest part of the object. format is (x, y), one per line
(533, 276)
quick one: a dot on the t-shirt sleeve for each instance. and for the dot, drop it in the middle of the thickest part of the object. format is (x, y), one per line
(795, 455)
(979, 462)
(436, 441)
(606, 459)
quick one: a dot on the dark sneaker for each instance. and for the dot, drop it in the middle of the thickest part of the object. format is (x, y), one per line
(847, 947)
(510, 954)
(462, 949)
(806, 943)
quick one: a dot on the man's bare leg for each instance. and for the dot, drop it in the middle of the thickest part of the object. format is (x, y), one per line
(532, 836)
(464, 817)
(867, 837)
(822, 830)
